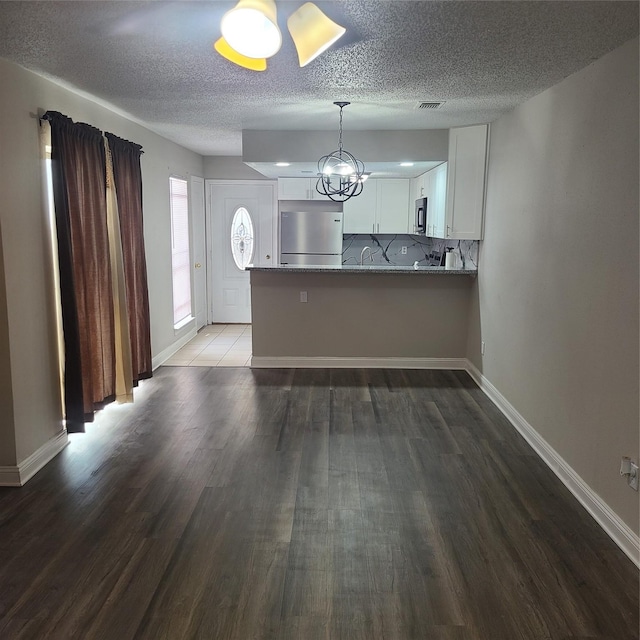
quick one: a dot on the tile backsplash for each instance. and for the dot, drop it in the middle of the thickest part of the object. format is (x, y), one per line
(387, 249)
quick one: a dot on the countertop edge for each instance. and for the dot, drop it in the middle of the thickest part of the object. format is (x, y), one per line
(434, 271)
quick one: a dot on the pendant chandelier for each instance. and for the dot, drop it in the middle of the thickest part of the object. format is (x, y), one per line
(340, 174)
(250, 33)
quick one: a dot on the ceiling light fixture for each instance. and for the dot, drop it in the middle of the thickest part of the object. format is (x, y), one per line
(250, 33)
(283, 164)
(340, 174)
(312, 32)
(251, 28)
(228, 52)
(406, 164)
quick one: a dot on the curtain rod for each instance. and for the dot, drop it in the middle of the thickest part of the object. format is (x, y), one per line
(47, 116)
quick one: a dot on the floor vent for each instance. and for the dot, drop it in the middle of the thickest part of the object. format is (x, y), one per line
(430, 105)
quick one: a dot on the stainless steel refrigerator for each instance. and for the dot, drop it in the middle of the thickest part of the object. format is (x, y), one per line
(311, 238)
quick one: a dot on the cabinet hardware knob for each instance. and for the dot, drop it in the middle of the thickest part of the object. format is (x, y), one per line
(198, 265)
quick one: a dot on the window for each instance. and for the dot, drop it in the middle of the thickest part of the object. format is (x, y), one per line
(242, 238)
(180, 258)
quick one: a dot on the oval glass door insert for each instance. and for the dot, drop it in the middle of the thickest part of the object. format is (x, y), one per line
(242, 238)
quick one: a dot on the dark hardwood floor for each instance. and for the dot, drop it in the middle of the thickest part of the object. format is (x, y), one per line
(306, 504)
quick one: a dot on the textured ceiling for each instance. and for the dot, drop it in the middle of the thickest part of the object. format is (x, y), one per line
(154, 60)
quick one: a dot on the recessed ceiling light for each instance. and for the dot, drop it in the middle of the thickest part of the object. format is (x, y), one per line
(283, 164)
(406, 164)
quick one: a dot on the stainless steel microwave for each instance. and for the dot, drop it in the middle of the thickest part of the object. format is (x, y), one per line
(420, 222)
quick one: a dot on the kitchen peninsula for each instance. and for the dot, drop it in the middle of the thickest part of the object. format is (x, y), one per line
(359, 316)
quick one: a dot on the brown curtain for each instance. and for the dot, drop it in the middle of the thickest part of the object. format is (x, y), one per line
(128, 185)
(124, 377)
(79, 189)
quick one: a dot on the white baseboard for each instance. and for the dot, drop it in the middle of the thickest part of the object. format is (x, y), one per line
(164, 355)
(10, 477)
(318, 362)
(19, 475)
(615, 528)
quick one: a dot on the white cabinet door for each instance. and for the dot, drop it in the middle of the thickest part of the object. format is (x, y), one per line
(423, 185)
(293, 189)
(359, 212)
(418, 187)
(393, 206)
(427, 192)
(465, 182)
(437, 203)
(299, 189)
(314, 194)
(414, 188)
(383, 207)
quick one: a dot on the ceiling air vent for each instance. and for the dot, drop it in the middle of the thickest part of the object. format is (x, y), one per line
(430, 105)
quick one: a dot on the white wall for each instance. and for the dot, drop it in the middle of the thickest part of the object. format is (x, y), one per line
(229, 168)
(7, 435)
(557, 296)
(27, 271)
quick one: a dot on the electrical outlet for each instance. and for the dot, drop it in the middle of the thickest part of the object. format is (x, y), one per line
(303, 296)
(482, 348)
(404, 251)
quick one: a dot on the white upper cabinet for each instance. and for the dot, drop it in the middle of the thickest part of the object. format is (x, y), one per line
(436, 201)
(393, 206)
(359, 212)
(419, 187)
(299, 189)
(382, 207)
(431, 185)
(466, 182)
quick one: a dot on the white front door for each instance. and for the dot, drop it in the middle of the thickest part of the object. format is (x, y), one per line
(199, 262)
(242, 224)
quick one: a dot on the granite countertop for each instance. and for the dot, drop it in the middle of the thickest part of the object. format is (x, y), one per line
(377, 269)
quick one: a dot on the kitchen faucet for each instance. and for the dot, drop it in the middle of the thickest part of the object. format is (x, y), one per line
(362, 255)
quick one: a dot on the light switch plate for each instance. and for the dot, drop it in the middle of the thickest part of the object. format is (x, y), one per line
(633, 477)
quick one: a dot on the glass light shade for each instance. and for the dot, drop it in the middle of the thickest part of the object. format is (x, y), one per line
(251, 28)
(255, 64)
(312, 32)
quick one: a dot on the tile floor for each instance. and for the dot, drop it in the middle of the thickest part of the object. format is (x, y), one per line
(216, 345)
